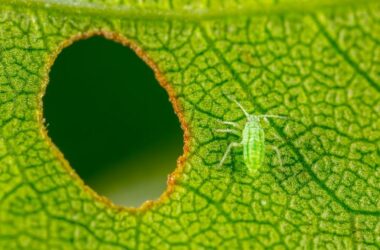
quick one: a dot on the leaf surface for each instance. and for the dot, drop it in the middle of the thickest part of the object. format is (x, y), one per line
(316, 62)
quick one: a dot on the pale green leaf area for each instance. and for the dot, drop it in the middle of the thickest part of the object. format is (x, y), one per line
(317, 62)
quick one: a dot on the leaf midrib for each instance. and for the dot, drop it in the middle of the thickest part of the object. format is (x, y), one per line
(192, 14)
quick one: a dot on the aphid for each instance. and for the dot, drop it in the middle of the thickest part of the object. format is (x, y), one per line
(252, 139)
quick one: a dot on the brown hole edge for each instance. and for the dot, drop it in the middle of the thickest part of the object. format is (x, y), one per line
(149, 204)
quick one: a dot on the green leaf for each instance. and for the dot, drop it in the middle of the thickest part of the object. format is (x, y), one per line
(317, 62)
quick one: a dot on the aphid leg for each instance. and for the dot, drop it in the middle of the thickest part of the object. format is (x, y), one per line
(278, 137)
(278, 154)
(232, 145)
(234, 124)
(229, 131)
(271, 116)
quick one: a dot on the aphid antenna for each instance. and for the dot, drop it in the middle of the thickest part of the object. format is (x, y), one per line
(238, 103)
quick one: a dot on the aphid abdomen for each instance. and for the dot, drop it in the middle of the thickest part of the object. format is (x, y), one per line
(253, 142)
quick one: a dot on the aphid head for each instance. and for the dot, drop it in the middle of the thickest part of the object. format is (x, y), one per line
(253, 118)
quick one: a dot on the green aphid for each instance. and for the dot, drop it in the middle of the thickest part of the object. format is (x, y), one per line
(252, 139)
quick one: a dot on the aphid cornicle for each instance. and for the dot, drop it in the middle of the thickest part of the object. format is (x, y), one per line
(252, 139)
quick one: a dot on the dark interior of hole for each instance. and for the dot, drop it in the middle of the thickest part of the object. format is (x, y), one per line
(104, 106)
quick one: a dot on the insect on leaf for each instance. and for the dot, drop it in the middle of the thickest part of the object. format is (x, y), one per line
(316, 62)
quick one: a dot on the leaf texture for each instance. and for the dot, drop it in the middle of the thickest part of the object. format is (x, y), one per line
(316, 62)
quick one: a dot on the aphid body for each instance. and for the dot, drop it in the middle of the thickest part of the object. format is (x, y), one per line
(253, 143)
(252, 139)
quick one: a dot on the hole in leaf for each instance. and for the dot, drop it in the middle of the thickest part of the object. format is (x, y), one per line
(112, 120)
